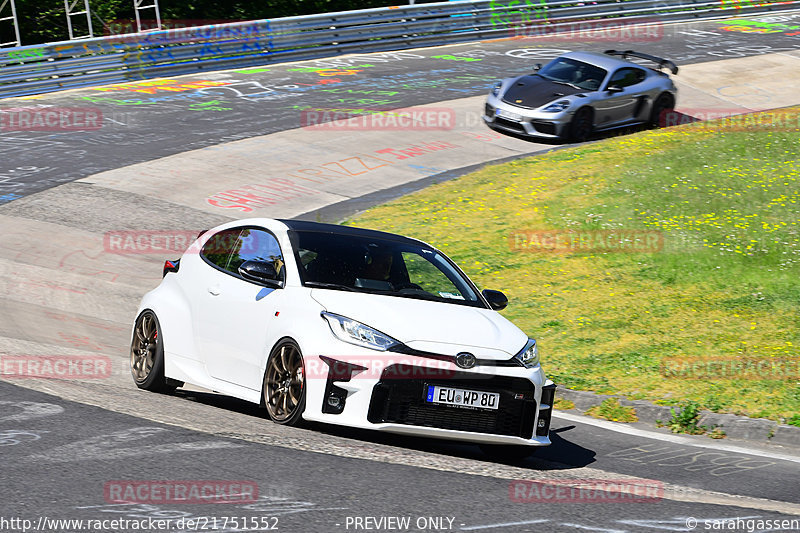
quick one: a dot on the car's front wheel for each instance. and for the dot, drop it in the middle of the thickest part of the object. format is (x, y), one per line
(285, 384)
(147, 355)
(581, 126)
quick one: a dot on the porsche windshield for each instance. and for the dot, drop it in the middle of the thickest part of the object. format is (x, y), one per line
(572, 72)
(380, 266)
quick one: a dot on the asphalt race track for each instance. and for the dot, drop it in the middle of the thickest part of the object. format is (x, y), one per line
(184, 154)
(146, 123)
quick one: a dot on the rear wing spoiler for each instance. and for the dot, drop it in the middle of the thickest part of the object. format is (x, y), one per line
(662, 63)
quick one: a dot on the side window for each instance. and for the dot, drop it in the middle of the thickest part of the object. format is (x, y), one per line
(257, 245)
(217, 250)
(228, 249)
(625, 77)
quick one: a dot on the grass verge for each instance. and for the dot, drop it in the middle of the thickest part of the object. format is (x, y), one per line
(708, 311)
(611, 409)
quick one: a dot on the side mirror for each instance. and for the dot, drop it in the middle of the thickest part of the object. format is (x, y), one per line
(537, 67)
(614, 89)
(260, 272)
(497, 300)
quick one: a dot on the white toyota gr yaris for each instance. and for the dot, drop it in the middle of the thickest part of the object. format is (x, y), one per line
(345, 326)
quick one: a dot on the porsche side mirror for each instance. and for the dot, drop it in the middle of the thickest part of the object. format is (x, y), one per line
(537, 67)
(260, 272)
(497, 300)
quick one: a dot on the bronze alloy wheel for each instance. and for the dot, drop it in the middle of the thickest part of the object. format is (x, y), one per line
(143, 347)
(285, 384)
(147, 355)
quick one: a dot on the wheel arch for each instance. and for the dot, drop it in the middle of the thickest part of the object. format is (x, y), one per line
(174, 314)
(665, 94)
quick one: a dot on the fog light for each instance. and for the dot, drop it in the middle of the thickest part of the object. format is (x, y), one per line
(334, 401)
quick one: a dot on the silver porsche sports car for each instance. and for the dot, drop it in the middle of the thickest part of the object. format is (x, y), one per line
(582, 92)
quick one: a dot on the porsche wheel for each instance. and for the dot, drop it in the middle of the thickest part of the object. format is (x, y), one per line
(581, 126)
(285, 384)
(147, 355)
(663, 105)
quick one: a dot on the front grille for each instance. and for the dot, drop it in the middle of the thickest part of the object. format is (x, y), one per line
(401, 401)
(509, 124)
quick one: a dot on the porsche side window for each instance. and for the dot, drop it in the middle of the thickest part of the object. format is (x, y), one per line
(256, 245)
(625, 77)
(217, 250)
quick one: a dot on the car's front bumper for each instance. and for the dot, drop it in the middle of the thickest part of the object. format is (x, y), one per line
(387, 392)
(529, 122)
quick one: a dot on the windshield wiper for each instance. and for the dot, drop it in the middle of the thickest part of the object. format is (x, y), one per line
(322, 285)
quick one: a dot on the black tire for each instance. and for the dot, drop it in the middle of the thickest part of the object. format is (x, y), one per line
(147, 355)
(507, 452)
(581, 126)
(284, 391)
(663, 105)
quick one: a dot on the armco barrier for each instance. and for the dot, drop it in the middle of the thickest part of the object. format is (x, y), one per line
(37, 69)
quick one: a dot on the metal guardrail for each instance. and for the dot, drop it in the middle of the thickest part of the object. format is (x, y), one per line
(63, 65)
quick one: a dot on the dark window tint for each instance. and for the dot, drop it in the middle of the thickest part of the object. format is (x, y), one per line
(217, 250)
(381, 266)
(573, 72)
(228, 249)
(625, 77)
(257, 245)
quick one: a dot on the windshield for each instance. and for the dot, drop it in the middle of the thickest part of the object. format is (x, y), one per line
(380, 266)
(575, 73)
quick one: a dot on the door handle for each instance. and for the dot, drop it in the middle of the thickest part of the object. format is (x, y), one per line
(214, 291)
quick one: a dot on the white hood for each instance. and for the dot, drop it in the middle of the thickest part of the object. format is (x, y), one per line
(441, 328)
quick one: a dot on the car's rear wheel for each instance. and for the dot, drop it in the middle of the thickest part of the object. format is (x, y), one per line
(663, 105)
(147, 355)
(285, 384)
(581, 126)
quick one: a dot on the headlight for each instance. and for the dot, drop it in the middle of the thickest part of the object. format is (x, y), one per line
(529, 356)
(557, 107)
(496, 88)
(348, 330)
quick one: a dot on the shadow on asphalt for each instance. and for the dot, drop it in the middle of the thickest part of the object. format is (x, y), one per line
(672, 119)
(562, 454)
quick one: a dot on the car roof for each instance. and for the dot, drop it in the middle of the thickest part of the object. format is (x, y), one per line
(600, 60)
(336, 229)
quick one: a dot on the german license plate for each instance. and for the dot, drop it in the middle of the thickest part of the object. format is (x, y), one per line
(462, 397)
(508, 114)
